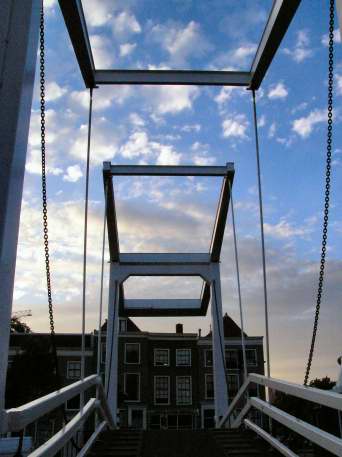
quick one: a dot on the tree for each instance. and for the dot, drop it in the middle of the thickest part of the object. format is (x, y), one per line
(17, 326)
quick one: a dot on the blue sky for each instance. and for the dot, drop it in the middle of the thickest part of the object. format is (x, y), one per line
(191, 125)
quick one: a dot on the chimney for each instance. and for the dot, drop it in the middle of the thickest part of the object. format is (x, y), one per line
(179, 329)
(199, 332)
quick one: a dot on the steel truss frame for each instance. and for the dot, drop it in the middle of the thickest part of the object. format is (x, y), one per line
(278, 22)
(169, 264)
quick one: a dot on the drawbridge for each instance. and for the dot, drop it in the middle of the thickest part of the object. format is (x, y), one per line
(235, 433)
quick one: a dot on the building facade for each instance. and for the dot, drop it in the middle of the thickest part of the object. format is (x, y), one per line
(165, 379)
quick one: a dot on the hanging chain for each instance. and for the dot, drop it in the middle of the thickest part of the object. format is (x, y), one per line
(327, 186)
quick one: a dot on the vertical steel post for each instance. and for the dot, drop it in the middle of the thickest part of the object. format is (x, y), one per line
(218, 347)
(19, 31)
(112, 352)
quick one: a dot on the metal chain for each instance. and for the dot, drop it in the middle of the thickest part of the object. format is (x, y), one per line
(327, 187)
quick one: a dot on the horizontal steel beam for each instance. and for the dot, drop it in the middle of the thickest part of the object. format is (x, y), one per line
(314, 434)
(164, 259)
(167, 170)
(205, 271)
(174, 77)
(164, 303)
(278, 22)
(75, 22)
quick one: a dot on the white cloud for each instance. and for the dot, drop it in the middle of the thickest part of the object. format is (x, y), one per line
(285, 230)
(277, 91)
(338, 84)
(97, 13)
(53, 91)
(170, 99)
(262, 121)
(304, 125)
(235, 126)
(180, 42)
(103, 98)
(272, 130)
(224, 95)
(102, 51)
(337, 38)
(127, 49)
(191, 128)
(136, 120)
(168, 156)
(137, 145)
(301, 50)
(237, 58)
(125, 24)
(73, 173)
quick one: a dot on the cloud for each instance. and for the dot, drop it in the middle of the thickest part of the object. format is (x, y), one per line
(301, 50)
(168, 156)
(125, 24)
(238, 58)
(170, 99)
(180, 42)
(136, 120)
(127, 49)
(102, 51)
(337, 38)
(97, 13)
(285, 230)
(304, 125)
(224, 95)
(277, 91)
(338, 84)
(103, 97)
(235, 127)
(191, 128)
(272, 130)
(73, 173)
(54, 92)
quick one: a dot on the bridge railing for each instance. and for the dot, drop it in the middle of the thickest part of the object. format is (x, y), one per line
(314, 434)
(16, 419)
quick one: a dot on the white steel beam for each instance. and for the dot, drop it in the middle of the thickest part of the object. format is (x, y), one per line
(322, 397)
(173, 77)
(164, 259)
(167, 170)
(323, 439)
(125, 271)
(276, 444)
(19, 27)
(142, 303)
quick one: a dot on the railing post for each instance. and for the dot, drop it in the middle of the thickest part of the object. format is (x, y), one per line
(19, 27)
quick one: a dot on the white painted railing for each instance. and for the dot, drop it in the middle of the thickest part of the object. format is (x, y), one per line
(17, 419)
(323, 439)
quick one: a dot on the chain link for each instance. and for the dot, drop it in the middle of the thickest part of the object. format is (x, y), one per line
(327, 187)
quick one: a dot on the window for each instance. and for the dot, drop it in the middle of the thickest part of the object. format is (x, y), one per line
(232, 358)
(208, 358)
(161, 357)
(183, 390)
(123, 325)
(73, 404)
(233, 384)
(132, 386)
(132, 353)
(162, 390)
(251, 357)
(73, 369)
(183, 357)
(209, 386)
(103, 352)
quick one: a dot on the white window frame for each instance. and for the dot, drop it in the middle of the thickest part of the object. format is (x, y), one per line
(256, 357)
(205, 358)
(183, 349)
(205, 386)
(132, 363)
(68, 363)
(238, 381)
(139, 386)
(154, 390)
(229, 349)
(122, 321)
(154, 357)
(177, 401)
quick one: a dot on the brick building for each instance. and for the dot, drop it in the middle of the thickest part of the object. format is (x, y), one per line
(165, 379)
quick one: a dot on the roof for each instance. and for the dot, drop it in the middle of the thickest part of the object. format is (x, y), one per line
(131, 327)
(230, 328)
